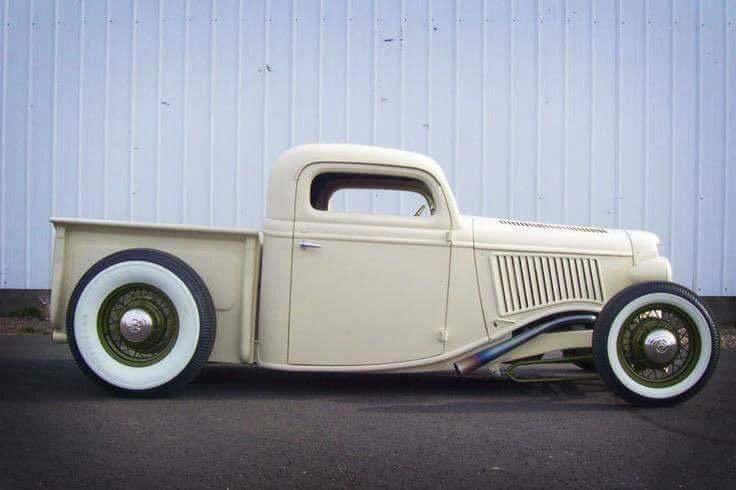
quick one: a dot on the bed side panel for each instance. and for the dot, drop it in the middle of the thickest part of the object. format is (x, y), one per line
(228, 263)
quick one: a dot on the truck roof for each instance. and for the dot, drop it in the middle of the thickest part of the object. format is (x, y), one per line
(285, 172)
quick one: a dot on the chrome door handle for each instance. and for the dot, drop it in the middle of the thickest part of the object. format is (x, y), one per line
(305, 244)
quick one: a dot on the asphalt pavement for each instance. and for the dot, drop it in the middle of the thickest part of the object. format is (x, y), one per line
(238, 427)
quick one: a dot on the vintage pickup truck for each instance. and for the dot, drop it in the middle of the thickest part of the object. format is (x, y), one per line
(145, 306)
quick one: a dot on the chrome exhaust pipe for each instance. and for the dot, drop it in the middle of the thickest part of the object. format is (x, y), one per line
(483, 357)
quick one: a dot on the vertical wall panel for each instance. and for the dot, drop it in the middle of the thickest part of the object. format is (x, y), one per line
(415, 92)
(4, 7)
(604, 107)
(713, 63)
(632, 113)
(617, 113)
(198, 165)
(252, 115)
(551, 134)
(361, 84)
(40, 143)
(96, 148)
(279, 99)
(658, 180)
(685, 103)
(17, 93)
(334, 83)
(469, 131)
(497, 108)
(389, 83)
(524, 100)
(172, 150)
(224, 122)
(333, 78)
(66, 135)
(307, 70)
(442, 89)
(119, 94)
(729, 183)
(578, 118)
(416, 83)
(144, 164)
(3, 94)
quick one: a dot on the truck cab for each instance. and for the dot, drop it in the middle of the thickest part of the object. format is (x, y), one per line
(367, 288)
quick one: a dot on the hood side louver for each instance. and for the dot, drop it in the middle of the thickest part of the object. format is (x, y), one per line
(526, 282)
(532, 224)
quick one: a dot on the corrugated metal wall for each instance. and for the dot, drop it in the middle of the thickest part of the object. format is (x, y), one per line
(614, 113)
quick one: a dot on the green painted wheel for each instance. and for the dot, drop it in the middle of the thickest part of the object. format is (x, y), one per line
(658, 345)
(141, 322)
(137, 325)
(655, 343)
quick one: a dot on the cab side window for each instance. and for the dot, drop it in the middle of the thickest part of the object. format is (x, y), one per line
(371, 194)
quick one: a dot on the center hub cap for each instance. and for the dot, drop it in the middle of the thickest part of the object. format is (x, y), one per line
(660, 346)
(136, 325)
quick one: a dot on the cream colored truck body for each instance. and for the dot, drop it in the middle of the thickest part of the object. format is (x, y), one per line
(382, 293)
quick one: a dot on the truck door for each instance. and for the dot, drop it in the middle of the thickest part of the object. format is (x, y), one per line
(367, 287)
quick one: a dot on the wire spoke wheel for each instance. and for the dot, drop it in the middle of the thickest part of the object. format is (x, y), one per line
(655, 343)
(137, 324)
(141, 322)
(658, 345)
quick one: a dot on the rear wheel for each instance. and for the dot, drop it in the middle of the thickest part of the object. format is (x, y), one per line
(141, 321)
(655, 344)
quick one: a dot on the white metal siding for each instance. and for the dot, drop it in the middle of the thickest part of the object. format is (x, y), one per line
(610, 113)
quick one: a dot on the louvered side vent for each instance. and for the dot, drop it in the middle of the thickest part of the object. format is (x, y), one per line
(525, 282)
(547, 226)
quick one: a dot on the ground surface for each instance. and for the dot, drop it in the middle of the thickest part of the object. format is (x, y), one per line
(238, 426)
(14, 325)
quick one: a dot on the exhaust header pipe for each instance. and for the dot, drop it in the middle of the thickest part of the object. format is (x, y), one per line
(483, 357)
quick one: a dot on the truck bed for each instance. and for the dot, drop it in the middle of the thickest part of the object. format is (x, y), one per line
(227, 259)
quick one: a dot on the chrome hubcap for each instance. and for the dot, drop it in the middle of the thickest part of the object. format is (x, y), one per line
(660, 346)
(136, 325)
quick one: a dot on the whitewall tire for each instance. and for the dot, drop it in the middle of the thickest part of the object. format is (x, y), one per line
(655, 343)
(141, 321)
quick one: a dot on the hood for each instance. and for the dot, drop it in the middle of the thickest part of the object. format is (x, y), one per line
(537, 265)
(506, 234)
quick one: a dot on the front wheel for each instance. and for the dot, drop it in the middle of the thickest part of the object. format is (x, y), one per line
(655, 343)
